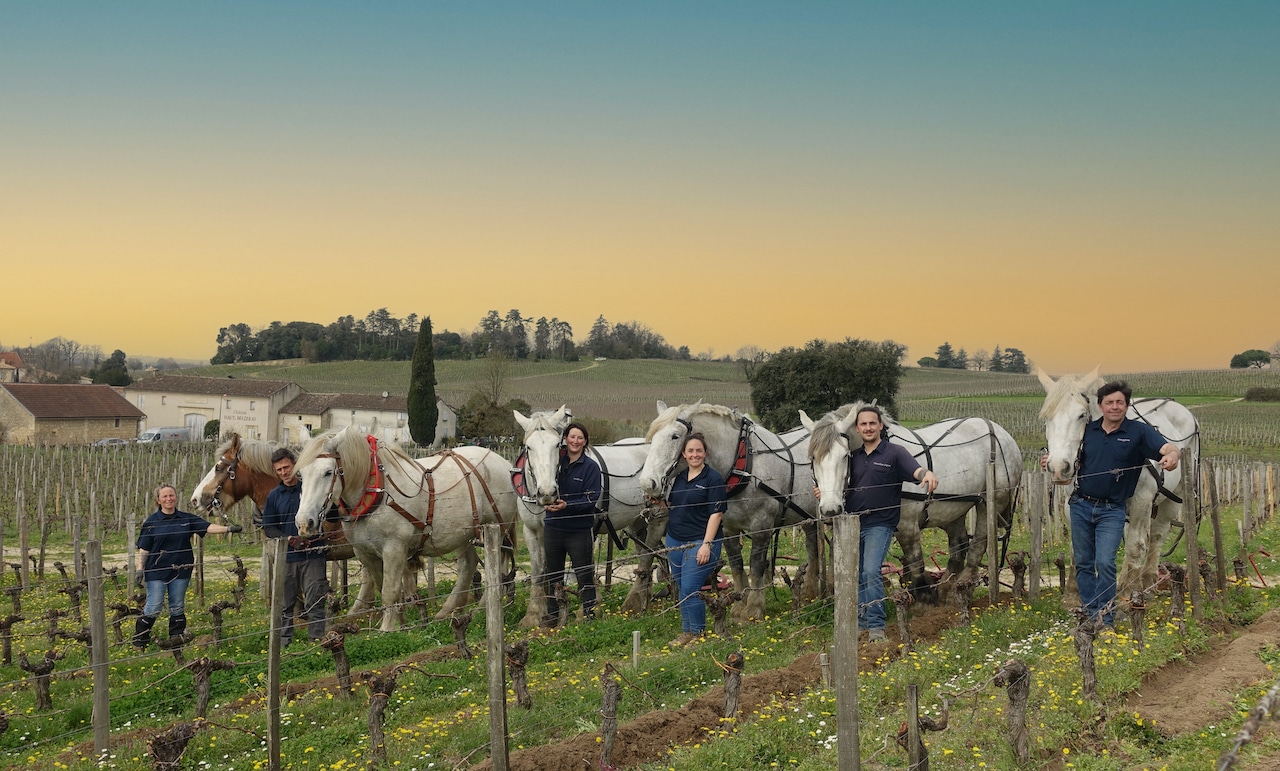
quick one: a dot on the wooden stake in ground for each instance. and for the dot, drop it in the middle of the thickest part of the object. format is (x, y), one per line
(609, 713)
(6, 636)
(1018, 564)
(1177, 592)
(380, 689)
(1015, 676)
(1085, 632)
(733, 667)
(335, 641)
(719, 603)
(460, 622)
(901, 599)
(1138, 616)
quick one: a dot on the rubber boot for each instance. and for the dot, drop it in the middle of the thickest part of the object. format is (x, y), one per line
(142, 631)
(177, 624)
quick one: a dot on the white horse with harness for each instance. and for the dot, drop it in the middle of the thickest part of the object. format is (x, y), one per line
(1070, 403)
(767, 485)
(957, 451)
(622, 507)
(395, 509)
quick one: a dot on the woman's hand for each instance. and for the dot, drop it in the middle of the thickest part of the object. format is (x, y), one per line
(704, 554)
(557, 506)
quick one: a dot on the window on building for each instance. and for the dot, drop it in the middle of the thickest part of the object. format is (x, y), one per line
(228, 404)
(117, 422)
(164, 400)
(142, 401)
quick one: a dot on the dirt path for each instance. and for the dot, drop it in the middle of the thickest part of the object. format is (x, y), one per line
(1186, 696)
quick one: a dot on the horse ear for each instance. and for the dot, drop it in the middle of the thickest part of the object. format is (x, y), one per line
(1045, 380)
(845, 423)
(1095, 375)
(565, 412)
(522, 420)
(806, 421)
(662, 406)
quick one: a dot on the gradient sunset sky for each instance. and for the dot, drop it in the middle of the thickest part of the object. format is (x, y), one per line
(1091, 182)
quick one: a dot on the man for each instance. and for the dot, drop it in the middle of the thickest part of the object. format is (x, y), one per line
(1111, 459)
(876, 474)
(304, 560)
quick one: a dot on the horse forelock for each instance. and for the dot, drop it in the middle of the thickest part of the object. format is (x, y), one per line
(1066, 388)
(669, 415)
(825, 433)
(544, 419)
(254, 453)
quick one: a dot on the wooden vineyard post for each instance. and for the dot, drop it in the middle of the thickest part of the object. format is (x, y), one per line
(279, 545)
(497, 662)
(98, 651)
(609, 712)
(993, 554)
(1214, 516)
(1037, 513)
(917, 754)
(1193, 544)
(733, 667)
(846, 531)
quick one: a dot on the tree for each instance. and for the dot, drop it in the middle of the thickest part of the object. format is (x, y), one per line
(749, 357)
(946, 357)
(423, 412)
(962, 360)
(114, 371)
(822, 376)
(1254, 357)
(494, 376)
(541, 338)
(997, 360)
(482, 416)
(927, 362)
(1016, 361)
(980, 360)
(598, 339)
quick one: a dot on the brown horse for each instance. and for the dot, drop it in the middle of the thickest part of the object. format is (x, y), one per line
(243, 470)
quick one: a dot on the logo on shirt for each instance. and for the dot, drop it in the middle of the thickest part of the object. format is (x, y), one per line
(882, 464)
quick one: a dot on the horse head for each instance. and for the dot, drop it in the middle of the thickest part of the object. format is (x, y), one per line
(1069, 405)
(666, 438)
(829, 448)
(328, 468)
(210, 493)
(543, 445)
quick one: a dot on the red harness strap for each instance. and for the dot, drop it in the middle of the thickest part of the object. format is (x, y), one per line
(740, 472)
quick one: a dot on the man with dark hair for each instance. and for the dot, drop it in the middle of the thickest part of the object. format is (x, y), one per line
(1112, 454)
(876, 473)
(304, 561)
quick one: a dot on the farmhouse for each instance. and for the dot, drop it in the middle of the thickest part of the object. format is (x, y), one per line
(386, 417)
(248, 407)
(40, 413)
(12, 368)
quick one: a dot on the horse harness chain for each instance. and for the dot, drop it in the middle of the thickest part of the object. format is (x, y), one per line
(376, 494)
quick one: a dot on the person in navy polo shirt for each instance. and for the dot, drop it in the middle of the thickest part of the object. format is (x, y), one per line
(165, 561)
(568, 527)
(305, 558)
(876, 473)
(1111, 459)
(698, 502)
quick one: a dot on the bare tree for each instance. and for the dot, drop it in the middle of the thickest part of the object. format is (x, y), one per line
(494, 376)
(980, 360)
(750, 357)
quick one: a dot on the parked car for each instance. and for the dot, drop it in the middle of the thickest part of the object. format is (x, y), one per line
(172, 434)
(111, 441)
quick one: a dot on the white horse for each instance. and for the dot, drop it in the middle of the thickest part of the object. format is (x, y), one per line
(397, 509)
(770, 489)
(622, 502)
(957, 451)
(1070, 403)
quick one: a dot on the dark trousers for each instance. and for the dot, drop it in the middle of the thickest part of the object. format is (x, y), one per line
(309, 577)
(579, 546)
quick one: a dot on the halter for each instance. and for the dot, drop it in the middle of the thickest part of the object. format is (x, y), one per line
(669, 476)
(227, 474)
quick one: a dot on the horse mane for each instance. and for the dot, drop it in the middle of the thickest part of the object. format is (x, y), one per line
(543, 419)
(669, 415)
(254, 453)
(1066, 387)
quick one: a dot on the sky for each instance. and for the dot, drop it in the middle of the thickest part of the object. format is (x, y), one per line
(1094, 183)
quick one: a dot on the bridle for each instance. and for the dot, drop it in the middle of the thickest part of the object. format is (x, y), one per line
(526, 468)
(668, 476)
(227, 474)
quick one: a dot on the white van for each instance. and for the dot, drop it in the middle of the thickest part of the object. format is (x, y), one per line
(176, 434)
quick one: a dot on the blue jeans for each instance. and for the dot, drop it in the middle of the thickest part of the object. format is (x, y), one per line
(1097, 529)
(873, 547)
(156, 590)
(689, 578)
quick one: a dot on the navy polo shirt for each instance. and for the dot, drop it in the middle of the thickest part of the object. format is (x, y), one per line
(692, 502)
(580, 485)
(167, 541)
(875, 483)
(280, 520)
(1110, 464)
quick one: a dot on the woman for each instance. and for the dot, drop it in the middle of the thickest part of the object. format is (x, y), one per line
(568, 527)
(697, 503)
(165, 561)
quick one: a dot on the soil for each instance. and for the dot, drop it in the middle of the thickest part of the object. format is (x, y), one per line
(1186, 696)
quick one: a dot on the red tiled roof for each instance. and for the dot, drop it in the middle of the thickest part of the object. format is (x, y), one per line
(176, 384)
(317, 404)
(52, 400)
(12, 359)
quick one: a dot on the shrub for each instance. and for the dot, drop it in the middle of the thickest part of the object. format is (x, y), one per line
(1260, 394)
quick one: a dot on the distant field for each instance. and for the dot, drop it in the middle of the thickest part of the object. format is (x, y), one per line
(626, 391)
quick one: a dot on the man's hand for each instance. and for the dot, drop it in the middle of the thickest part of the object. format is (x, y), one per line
(1169, 456)
(295, 542)
(929, 481)
(139, 579)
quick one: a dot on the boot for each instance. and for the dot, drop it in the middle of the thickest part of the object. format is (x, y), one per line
(177, 625)
(142, 631)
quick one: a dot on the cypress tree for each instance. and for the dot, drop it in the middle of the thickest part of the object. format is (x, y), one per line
(423, 412)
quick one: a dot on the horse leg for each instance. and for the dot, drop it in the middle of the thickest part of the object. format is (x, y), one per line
(537, 589)
(978, 550)
(1137, 543)
(813, 583)
(461, 594)
(1169, 512)
(366, 598)
(393, 561)
(908, 534)
(753, 598)
(741, 583)
(638, 598)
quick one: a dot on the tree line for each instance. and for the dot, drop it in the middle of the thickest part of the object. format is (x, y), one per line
(1006, 360)
(380, 336)
(62, 360)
